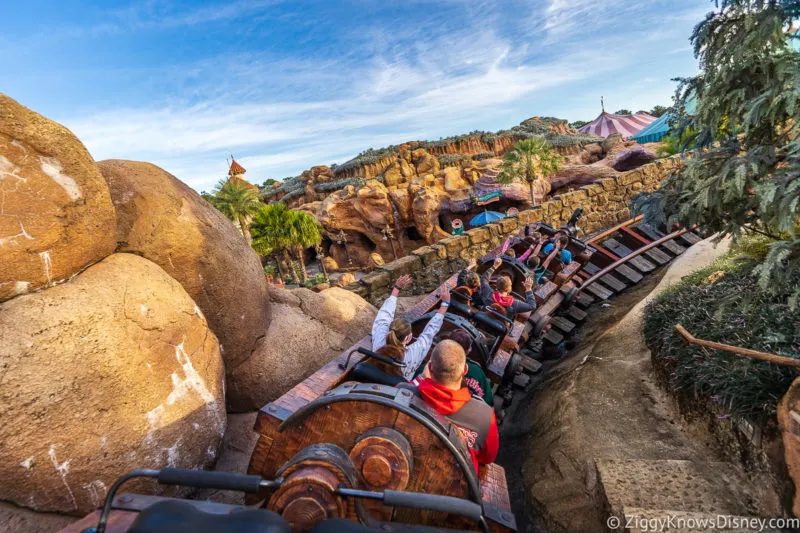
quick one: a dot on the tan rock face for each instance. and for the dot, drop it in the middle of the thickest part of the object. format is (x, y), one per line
(398, 172)
(313, 328)
(453, 181)
(425, 208)
(113, 370)
(56, 216)
(424, 162)
(161, 218)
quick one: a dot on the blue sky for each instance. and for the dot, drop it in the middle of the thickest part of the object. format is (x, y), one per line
(285, 85)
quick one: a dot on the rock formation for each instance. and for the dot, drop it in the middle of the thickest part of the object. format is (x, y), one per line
(108, 360)
(161, 218)
(391, 201)
(113, 370)
(55, 210)
(313, 328)
(632, 158)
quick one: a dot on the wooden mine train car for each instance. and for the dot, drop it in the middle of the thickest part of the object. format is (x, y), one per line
(393, 439)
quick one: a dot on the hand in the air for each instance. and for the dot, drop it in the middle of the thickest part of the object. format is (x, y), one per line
(472, 263)
(528, 284)
(404, 281)
(497, 262)
(444, 292)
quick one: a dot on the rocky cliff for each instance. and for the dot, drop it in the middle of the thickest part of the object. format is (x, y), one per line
(385, 203)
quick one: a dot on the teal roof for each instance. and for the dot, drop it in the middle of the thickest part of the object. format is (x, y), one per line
(655, 131)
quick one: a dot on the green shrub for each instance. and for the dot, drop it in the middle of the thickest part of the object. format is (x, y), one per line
(484, 155)
(270, 270)
(338, 184)
(736, 311)
(316, 280)
(449, 160)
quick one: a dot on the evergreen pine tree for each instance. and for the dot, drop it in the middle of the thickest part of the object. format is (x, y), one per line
(743, 170)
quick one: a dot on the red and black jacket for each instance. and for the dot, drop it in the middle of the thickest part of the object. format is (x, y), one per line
(474, 419)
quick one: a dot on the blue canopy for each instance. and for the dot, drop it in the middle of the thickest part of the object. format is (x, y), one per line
(485, 218)
(655, 131)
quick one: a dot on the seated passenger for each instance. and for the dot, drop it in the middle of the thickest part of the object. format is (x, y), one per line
(444, 392)
(470, 282)
(535, 243)
(560, 243)
(502, 294)
(390, 336)
(475, 379)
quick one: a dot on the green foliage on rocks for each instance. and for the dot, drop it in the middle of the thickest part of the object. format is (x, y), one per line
(744, 170)
(338, 184)
(448, 160)
(735, 310)
(367, 157)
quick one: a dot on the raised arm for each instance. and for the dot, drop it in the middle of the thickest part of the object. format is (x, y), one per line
(556, 251)
(527, 253)
(417, 351)
(530, 299)
(486, 289)
(380, 328)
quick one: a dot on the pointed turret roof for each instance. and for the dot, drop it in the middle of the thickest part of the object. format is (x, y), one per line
(236, 168)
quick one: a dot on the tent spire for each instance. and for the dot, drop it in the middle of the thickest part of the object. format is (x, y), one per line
(602, 105)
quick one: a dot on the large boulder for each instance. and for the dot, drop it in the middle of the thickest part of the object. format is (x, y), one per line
(56, 215)
(161, 218)
(114, 370)
(313, 329)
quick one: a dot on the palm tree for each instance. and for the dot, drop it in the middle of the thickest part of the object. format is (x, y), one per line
(271, 229)
(529, 160)
(237, 201)
(305, 232)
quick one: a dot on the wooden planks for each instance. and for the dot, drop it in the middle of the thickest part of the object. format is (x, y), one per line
(562, 324)
(643, 265)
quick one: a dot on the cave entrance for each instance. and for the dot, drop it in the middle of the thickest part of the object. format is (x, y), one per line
(412, 234)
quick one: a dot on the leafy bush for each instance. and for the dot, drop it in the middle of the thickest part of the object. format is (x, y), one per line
(734, 310)
(367, 157)
(623, 111)
(338, 184)
(316, 280)
(448, 160)
(270, 270)
(484, 155)
(578, 124)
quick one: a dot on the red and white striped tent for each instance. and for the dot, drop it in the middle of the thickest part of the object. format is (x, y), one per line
(625, 125)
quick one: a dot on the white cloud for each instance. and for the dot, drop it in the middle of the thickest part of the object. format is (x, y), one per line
(424, 80)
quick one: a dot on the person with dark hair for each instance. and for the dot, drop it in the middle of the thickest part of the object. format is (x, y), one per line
(535, 242)
(444, 392)
(560, 243)
(391, 336)
(502, 295)
(469, 282)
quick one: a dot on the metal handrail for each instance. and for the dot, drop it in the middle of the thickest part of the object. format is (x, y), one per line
(628, 257)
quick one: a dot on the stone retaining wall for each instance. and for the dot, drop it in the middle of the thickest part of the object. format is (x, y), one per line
(605, 203)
